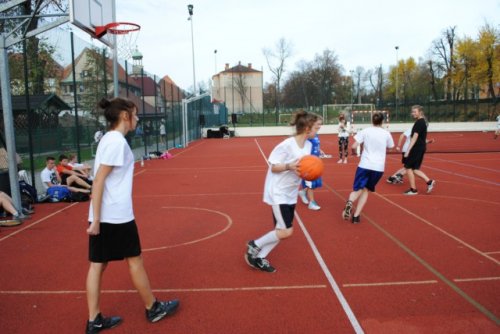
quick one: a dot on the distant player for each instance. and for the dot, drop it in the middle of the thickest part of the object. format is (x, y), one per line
(376, 141)
(416, 151)
(397, 177)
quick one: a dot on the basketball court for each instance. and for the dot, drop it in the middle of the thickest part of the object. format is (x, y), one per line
(421, 264)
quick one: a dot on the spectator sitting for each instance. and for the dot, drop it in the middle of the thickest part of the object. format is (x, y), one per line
(7, 205)
(66, 172)
(51, 178)
(79, 166)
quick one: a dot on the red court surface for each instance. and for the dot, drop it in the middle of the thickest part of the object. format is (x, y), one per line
(418, 264)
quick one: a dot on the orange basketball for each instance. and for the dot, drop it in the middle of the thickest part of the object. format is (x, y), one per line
(310, 167)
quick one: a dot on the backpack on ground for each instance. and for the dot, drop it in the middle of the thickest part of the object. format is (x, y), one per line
(28, 195)
(58, 193)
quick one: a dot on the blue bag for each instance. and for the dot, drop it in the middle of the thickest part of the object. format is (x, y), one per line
(58, 193)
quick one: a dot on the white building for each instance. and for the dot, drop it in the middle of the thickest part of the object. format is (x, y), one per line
(240, 87)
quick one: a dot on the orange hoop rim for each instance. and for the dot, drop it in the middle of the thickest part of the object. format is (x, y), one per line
(117, 28)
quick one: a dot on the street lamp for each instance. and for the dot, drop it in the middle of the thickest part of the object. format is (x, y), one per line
(397, 75)
(190, 10)
(215, 56)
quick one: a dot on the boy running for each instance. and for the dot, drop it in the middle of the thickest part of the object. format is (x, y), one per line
(375, 142)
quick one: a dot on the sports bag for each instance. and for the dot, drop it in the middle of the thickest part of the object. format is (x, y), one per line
(58, 193)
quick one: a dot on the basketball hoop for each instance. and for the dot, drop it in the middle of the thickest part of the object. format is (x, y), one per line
(126, 34)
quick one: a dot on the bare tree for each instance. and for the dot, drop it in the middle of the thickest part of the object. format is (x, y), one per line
(276, 62)
(443, 49)
(376, 79)
(241, 88)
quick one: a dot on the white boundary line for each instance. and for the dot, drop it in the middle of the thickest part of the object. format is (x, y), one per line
(345, 305)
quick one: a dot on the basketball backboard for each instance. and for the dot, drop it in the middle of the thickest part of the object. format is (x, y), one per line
(89, 14)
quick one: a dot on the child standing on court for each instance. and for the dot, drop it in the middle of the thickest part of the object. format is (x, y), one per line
(112, 230)
(281, 188)
(307, 192)
(376, 141)
(343, 139)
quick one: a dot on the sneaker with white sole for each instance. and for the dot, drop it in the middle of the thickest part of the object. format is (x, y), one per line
(264, 265)
(100, 323)
(346, 213)
(430, 186)
(313, 206)
(411, 192)
(251, 254)
(160, 310)
(303, 196)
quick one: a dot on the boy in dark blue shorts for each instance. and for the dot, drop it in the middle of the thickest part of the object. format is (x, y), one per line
(375, 142)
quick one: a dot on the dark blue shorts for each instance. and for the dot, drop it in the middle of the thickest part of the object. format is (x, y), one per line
(366, 178)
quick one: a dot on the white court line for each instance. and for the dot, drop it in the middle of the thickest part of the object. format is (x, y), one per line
(477, 279)
(345, 305)
(389, 283)
(37, 222)
(460, 241)
(458, 174)
(248, 288)
(466, 165)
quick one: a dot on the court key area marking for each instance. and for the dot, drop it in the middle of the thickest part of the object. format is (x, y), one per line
(228, 225)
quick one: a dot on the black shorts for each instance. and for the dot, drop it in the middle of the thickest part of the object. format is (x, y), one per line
(114, 242)
(403, 159)
(414, 160)
(283, 215)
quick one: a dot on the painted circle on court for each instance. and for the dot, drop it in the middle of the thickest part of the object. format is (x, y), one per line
(182, 226)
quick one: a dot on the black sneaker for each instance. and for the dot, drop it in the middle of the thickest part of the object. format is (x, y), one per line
(251, 254)
(264, 265)
(160, 310)
(356, 220)
(411, 192)
(430, 186)
(391, 180)
(346, 214)
(101, 323)
(27, 211)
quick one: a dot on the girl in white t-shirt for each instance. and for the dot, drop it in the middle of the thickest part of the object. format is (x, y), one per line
(112, 230)
(281, 188)
(343, 139)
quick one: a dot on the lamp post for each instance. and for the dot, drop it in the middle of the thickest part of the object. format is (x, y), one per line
(190, 10)
(397, 77)
(215, 60)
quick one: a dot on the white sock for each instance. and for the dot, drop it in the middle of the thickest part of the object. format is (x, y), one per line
(266, 249)
(266, 243)
(268, 238)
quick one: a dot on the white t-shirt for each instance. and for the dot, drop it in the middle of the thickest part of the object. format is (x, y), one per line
(407, 134)
(162, 129)
(48, 176)
(283, 188)
(375, 142)
(343, 130)
(116, 207)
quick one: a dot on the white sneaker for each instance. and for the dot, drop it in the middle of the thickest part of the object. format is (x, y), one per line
(303, 196)
(340, 161)
(314, 206)
(345, 160)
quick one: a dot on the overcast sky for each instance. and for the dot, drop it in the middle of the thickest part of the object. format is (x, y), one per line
(361, 33)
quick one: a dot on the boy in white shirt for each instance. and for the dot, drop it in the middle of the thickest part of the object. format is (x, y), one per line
(376, 141)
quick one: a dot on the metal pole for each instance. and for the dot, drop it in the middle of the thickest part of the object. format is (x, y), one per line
(115, 57)
(30, 114)
(75, 97)
(9, 125)
(397, 77)
(190, 8)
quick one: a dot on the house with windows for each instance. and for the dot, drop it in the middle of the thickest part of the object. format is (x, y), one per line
(239, 88)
